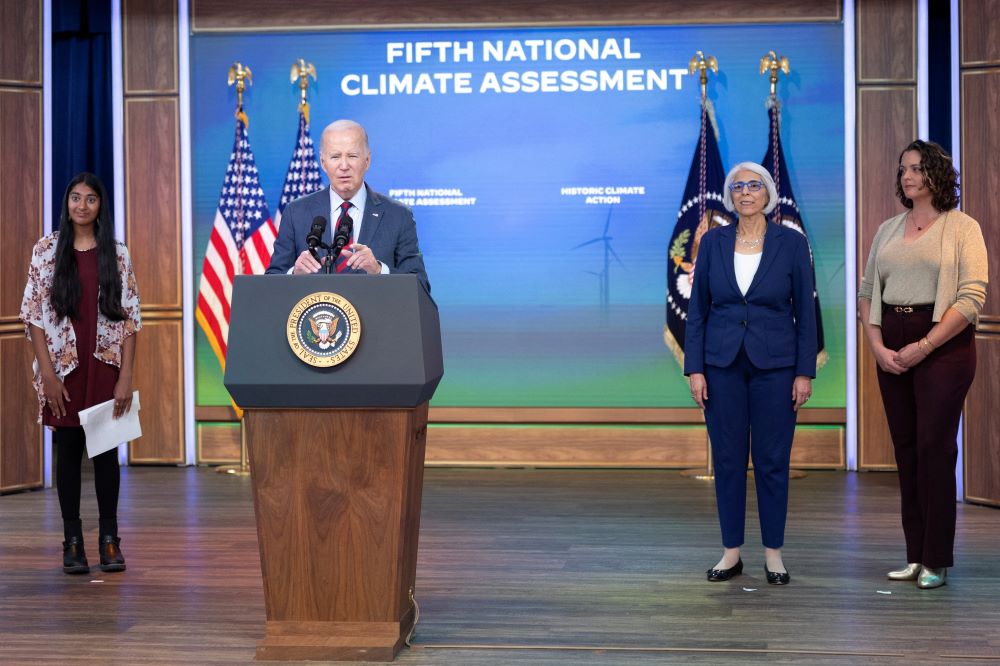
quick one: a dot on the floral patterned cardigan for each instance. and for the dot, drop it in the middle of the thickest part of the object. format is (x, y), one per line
(36, 309)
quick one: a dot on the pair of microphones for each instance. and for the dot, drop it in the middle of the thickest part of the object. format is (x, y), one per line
(341, 237)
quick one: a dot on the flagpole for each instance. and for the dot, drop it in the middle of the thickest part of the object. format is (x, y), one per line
(303, 177)
(702, 64)
(303, 174)
(243, 469)
(239, 75)
(301, 71)
(771, 63)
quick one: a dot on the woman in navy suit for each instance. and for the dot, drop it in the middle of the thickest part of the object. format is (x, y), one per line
(750, 356)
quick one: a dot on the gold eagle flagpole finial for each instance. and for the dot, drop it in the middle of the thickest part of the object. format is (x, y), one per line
(241, 76)
(701, 63)
(774, 63)
(301, 71)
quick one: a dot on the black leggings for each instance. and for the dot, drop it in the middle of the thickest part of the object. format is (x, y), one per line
(70, 444)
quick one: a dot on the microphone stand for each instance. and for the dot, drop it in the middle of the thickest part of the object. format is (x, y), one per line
(332, 252)
(328, 256)
(340, 239)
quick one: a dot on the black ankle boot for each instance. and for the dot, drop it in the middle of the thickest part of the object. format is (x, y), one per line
(112, 558)
(74, 557)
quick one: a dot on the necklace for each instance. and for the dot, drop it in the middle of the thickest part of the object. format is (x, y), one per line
(749, 243)
(917, 225)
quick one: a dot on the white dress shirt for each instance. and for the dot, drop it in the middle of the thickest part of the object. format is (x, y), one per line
(357, 213)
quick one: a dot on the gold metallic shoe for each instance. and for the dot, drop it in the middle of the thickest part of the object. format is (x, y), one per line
(909, 572)
(931, 578)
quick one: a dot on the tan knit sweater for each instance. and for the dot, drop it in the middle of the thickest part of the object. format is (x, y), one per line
(963, 276)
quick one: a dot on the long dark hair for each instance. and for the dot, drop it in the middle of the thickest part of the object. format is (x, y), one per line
(939, 175)
(65, 292)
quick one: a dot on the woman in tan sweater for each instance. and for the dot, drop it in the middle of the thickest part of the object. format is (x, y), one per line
(920, 298)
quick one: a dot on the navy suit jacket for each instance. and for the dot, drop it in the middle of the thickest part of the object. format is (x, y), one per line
(775, 321)
(387, 228)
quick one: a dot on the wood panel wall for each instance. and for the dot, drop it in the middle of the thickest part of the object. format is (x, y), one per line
(979, 52)
(264, 15)
(153, 221)
(886, 70)
(21, 196)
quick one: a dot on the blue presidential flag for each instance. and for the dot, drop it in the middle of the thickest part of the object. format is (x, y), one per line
(701, 209)
(787, 213)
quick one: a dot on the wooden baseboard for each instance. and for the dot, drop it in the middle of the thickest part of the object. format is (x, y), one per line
(570, 415)
(217, 443)
(493, 445)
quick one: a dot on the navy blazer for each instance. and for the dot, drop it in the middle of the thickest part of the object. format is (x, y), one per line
(387, 227)
(775, 321)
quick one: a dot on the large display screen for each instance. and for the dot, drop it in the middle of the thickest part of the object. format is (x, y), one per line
(545, 169)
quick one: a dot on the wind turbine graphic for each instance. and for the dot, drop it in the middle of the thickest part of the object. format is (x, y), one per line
(604, 277)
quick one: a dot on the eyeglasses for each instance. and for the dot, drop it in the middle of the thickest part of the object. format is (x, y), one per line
(753, 186)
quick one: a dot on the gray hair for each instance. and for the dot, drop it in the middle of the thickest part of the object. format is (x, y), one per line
(765, 177)
(345, 124)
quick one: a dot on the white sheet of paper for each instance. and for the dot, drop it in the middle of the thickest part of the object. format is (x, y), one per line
(105, 432)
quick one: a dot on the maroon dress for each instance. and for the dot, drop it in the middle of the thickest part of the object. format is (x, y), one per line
(92, 381)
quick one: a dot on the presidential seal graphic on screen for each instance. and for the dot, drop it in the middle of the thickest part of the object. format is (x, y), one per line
(323, 329)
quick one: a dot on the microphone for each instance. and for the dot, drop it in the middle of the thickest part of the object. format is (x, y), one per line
(342, 237)
(315, 237)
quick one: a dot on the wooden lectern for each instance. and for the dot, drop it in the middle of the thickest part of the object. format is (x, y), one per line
(336, 459)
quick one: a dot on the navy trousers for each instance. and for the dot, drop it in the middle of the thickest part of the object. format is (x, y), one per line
(749, 415)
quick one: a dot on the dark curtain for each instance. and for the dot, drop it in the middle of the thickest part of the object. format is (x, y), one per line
(81, 95)
(939, 72)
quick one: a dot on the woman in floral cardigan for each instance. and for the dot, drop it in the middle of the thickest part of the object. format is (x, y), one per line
(81, 314)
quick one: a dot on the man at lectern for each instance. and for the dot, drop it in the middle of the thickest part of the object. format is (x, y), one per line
(376, 233)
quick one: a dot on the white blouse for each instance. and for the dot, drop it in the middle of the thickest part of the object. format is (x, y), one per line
(746, 266)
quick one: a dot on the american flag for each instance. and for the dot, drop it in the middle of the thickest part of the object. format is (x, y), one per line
(241, 242)
(303, 175)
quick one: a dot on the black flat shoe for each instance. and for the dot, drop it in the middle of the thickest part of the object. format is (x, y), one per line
(111, 554)
(775, 578)
(716, 575)
(74, 558)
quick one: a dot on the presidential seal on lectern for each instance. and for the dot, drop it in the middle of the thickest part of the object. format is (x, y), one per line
(323, 329)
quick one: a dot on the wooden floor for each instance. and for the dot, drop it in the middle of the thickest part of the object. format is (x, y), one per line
(516, 567)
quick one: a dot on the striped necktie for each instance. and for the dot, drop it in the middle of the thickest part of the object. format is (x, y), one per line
(345, 222)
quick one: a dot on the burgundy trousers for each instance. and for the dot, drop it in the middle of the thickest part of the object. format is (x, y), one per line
(923, 407)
